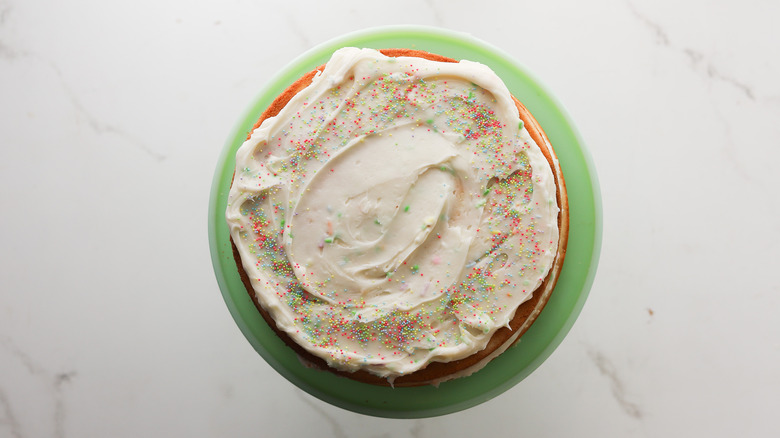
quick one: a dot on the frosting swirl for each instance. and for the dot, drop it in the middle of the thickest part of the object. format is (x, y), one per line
(395, 212)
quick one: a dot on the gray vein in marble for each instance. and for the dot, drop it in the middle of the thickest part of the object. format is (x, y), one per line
(10, 53)
(417, 429)
(7, 52)
(436, 13)
(8, 418)
(60, 380)
(660, 34)
(338, 431)
(697, 59)
(699, 62)
(28, 363)
(100, 127)
(694, 56)
(5, 12)
(296, 30)
(714, 73)
(55, 383)
(730, 147)
(607, 369)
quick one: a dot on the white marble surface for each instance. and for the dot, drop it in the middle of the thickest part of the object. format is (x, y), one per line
(113, 114)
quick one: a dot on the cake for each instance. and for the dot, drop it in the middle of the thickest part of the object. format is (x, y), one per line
(398, 217)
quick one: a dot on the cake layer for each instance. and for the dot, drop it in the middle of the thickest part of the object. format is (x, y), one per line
(392, 214)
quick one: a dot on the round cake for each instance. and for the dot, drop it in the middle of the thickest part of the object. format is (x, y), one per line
(398, 217)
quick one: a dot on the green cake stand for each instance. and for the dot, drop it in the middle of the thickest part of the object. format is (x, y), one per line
(541, 339)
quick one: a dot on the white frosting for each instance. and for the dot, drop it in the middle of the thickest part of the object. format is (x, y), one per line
(394, 213)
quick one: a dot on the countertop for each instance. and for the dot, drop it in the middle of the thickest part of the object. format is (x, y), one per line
(112, 119)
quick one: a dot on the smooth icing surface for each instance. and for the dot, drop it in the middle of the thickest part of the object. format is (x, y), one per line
(394, 213)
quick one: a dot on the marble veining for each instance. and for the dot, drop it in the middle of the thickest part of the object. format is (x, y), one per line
(296, 30)
(9, 418)
(661, 38)
(730, 147)
(336, 427)
(55, 383)
(618, 388)
(5, 12)
(437, 19)
(21, 356)
(697, 60)
(61, 380)
(99, 126)
(416, 431)
(6, 51)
